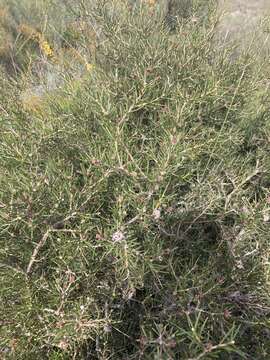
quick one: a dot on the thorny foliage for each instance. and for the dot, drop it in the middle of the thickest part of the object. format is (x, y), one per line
(135, 201)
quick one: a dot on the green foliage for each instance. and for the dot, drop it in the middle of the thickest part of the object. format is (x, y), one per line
(134, 205)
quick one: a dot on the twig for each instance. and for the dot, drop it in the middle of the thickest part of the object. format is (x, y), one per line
(4, 110)
(40, 244)
(54, 227)
(212, 348)
(58, 225)
(133, 220)
(244, 182)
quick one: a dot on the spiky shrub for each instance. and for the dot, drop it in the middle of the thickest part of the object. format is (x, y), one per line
(134, 206)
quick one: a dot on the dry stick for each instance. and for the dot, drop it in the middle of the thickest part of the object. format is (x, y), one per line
(56, 226)
(4, 110)
(36, 250)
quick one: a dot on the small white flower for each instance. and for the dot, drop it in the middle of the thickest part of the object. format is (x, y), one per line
(63, 345)
(118, 236)
(194, 19)
(156, 214)
(107, 328)
(266, 217)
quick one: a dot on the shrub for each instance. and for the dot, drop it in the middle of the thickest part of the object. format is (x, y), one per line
(134, 206)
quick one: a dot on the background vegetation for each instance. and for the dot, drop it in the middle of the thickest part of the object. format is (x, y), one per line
(134, 184)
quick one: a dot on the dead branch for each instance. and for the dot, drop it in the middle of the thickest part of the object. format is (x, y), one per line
(40, 244)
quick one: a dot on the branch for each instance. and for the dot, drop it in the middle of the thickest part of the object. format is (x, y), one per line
(40, 244)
